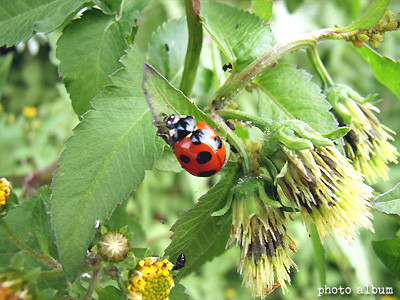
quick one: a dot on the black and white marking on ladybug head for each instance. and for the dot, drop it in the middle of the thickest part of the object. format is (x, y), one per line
(179, 126)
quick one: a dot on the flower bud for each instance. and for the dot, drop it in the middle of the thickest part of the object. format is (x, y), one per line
(114, 246)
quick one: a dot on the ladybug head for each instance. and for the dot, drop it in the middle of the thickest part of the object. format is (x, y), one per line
(179, 126)
(171, 121)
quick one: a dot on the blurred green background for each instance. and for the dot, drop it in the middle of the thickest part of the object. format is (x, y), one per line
(28, 144)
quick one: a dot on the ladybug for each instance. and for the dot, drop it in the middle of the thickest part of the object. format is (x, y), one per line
(198, 148)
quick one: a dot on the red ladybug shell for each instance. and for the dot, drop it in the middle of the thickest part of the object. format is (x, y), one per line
(201, 153)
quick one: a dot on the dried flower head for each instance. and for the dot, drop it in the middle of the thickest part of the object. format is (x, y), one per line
(319, 181)
(151, 280)
(114, 246)
(261, 232)
(367, 143)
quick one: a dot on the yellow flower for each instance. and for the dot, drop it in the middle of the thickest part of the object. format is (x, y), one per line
(114, 246)
(261, 232)
(151, 280)
(5, 190)
(29, 111)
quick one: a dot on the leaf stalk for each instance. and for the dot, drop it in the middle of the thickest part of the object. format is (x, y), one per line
(195, 42)
(48, 261)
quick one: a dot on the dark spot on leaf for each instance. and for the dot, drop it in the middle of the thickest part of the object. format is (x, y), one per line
(167, 47)
(237, 26)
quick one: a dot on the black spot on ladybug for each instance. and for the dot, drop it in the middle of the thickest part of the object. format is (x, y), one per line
(237, 26)
(203, 157)
(167, 47)
(185, 159)
(218, 142)
(207, 173)
(180, 262)
(197, 136)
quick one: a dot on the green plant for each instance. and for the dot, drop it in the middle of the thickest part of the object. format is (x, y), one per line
(298, 148)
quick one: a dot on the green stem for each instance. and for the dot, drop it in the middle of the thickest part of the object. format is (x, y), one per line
(237, 82)
(235, 141)
(93, 282)
(48, 261)
(319, 67)
(242, 116)
(56, 273)
(195, 31)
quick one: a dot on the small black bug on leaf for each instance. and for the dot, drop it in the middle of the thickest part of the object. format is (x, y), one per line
(226, 67)
(180, 262)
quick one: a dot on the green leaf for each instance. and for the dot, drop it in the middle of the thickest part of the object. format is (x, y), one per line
(242, 37)
(289, 94)
(5, 65)
(389, 202)
(19, 20)
(121, 218)
(163, 98)
(262, 9)
(388, 252)
(110, 293)
(41, 225)
(369, 18)
(89, 51)
(197, 234)
(19, 220)
(108, 6)
(167, 49)
(319, 254)
(178, 292)
(104, 161)
(386, 70)
(168, 162)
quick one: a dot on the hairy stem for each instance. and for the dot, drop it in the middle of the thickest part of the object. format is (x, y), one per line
(195, 41)
(235, 141)
(56, 273)
(93, 282)
(237, 82)
(48, 261)
(242, 116)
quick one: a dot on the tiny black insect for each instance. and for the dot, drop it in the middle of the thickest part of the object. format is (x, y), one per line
(180, 262)
(226, 67)
(237, 26)
(167, 47)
